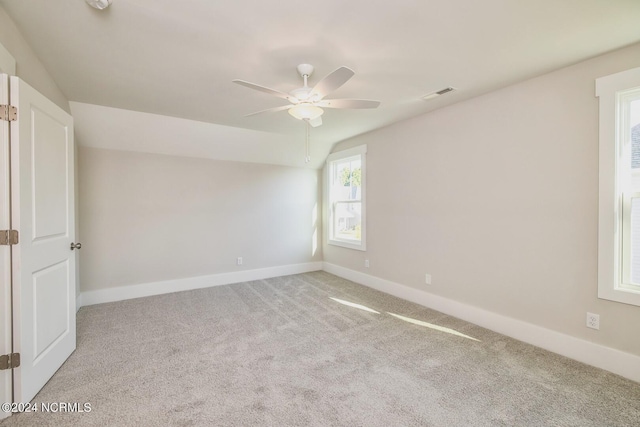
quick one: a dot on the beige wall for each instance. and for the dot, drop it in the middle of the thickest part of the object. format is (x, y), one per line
(28, 66)
(151, 217)
(497, 198)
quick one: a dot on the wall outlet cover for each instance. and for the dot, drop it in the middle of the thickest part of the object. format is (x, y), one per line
(593, 321)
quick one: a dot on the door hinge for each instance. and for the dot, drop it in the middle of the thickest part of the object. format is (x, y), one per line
(8, 113)
(9, 237)
(9, 361)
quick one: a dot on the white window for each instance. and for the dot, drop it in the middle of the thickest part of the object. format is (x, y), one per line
(346, 177)
(619, 206)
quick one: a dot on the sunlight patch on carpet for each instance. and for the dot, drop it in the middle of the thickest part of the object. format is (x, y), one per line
(354, 305)
(432, 326)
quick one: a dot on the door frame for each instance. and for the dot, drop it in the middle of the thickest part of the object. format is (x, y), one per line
(7, 67)
(7, 62)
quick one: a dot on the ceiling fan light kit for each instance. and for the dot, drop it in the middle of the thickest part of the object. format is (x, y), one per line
(306, 111)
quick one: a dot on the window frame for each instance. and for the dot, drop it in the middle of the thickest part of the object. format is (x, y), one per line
(333, 158)
(613, 91)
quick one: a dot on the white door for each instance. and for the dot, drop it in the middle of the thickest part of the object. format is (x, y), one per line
(44, 291)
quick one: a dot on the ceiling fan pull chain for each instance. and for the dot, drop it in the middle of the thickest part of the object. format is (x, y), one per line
(307, 158)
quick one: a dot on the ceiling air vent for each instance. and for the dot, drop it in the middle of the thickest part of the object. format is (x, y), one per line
(438, 93)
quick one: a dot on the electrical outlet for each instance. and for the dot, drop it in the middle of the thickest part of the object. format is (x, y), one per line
(593, 321)
(239, 261)
(427, 279)
(366, 263)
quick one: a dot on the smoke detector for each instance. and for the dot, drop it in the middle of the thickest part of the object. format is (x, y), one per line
(99, 4)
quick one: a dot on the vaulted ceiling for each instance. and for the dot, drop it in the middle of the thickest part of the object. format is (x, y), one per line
(142, 60)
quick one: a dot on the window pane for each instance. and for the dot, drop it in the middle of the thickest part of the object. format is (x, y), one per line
(635, 240)
(347, 179)
(634, 121)
(348, 220)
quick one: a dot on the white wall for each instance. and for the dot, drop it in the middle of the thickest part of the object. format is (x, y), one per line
(149, 217)
(497, 198)
(28, 66)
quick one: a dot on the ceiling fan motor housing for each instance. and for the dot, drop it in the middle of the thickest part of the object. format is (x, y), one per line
(305, 70)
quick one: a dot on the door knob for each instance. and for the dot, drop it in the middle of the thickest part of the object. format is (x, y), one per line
(76, 246)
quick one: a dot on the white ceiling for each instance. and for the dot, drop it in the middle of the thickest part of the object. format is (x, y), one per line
(178, 58)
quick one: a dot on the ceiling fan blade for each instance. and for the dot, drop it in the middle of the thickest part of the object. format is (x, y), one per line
(270, 110)
(348, 103)
(332, 82)
(267, 90)
(316, 122)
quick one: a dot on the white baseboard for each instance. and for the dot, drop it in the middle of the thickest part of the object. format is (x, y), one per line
(78, 302)
(168, 286)
(612, 360)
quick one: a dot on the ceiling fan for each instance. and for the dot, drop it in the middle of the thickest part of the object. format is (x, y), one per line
(307, 103)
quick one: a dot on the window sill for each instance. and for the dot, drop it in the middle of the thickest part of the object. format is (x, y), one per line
(348, 245)
(625, 296)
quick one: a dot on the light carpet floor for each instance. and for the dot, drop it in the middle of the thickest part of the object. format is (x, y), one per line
(304, 350)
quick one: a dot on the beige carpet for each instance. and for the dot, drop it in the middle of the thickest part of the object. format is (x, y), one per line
(307, 350)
